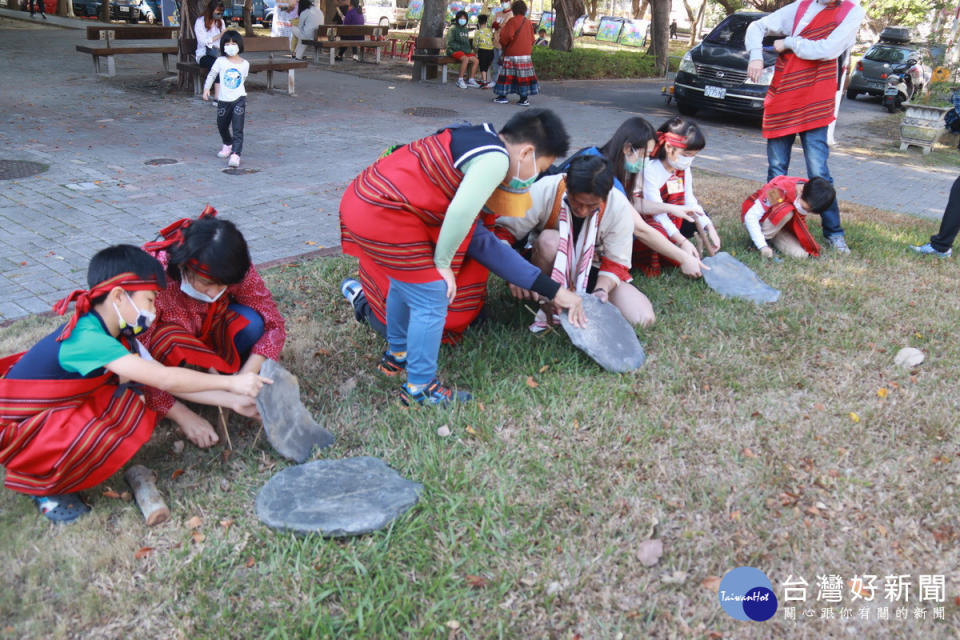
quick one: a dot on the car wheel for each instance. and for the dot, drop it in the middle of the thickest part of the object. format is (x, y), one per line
(685, 109)
(852, 94)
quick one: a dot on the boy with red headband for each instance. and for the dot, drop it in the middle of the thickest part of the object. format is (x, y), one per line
(71, 413)
(215, 312)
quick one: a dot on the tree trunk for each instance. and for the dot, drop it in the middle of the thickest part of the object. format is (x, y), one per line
(105, 11)
(730, 7)
(695, 20)
(660, 34)
(65, 8)
(567, 12)
(591, 9)
(189, 10)
(431, 26)
(248, 18)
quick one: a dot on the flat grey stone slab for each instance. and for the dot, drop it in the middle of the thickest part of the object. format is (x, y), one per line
(290, 428)
(608, 338)
(732, 279)
(336, 498)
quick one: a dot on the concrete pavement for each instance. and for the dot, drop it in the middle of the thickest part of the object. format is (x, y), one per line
(99, 135)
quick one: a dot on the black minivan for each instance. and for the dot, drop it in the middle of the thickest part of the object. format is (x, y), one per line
(713, 75)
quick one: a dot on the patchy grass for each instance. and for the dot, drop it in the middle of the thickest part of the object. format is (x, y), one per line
(734, 446)
(883, 140)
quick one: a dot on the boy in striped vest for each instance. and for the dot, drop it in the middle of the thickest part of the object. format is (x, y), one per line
(804, 85)
(71, 410)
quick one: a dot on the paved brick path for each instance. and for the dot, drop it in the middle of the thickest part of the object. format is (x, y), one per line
(97, 134)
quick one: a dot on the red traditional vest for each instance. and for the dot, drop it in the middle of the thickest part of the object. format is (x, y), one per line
(777, 198)
(803, 92)
(648, 261)
(62, 436)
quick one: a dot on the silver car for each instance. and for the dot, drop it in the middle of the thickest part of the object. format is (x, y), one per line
(870, 74)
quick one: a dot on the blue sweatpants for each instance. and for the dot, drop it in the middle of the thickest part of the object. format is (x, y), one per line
(416, 313)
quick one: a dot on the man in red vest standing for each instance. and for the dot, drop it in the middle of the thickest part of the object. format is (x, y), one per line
(801, 95)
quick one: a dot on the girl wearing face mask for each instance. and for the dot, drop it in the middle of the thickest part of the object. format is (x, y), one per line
(215, 312)
(209, 29)
(232, 71)
(459, 48)
(667, 179)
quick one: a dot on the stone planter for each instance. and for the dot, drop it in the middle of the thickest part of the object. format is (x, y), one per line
(922, 126)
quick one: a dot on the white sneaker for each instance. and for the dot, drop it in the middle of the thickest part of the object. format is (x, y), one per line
(490, 85)
(225, 151)
(839, 243)
(234, 161)
(461, 83)
(473, 83)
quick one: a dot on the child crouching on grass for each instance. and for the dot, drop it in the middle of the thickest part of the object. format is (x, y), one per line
(72, 411)
(232, 70)
(777, 212)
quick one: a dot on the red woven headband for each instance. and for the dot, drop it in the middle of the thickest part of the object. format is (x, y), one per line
(173, 235)
(671, 139)
(83, 298)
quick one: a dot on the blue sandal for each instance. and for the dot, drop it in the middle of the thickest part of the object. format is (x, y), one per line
(63, 508)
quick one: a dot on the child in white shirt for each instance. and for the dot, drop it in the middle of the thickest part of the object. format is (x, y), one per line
(232, 102)
(667, 178)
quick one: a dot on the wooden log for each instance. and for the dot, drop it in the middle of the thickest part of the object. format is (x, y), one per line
(143, 481)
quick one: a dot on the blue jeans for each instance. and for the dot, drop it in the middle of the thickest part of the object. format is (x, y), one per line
(416, 313)
(815, 153)
(251, 333)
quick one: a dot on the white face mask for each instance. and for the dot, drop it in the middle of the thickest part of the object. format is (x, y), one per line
(188, 289)
(231, 49)
(682, 162)
(505, 6)
(800, 209)
(143, 321)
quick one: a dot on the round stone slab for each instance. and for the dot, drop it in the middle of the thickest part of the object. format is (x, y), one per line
(336, 498)
(732, 279)
(608, 338)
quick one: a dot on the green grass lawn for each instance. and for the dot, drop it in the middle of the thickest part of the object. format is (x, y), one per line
(781, 437)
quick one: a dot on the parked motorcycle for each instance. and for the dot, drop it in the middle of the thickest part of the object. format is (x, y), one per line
(899, 87)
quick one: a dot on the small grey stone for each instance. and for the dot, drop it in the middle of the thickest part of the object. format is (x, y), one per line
(908, 358)
(290, 428)
(732, 279)
(608, 338)
(336, 498)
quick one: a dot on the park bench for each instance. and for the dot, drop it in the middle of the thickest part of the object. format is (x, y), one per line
(372, 37)
(430, 52)
(250, 45)
(110, 34)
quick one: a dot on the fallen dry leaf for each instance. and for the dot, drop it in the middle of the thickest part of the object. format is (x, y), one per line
(481, 406)
(819, 406)
(453, 625)
(477, 582)
(882, 392)
(533, 384)
(471, 430)
(711, 583)
(748, 453)
(176, 474)
(250, 562)
(854, 417)
(126, 496)
(198, 537)
(143, 552)
(226, 523)
(736, 515)
(110, 493)
(195, 522)
(649, 552)
(544, 368)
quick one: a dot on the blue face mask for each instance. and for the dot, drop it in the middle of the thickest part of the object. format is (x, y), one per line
(520, 185)
(635, 166)
(462, 22)
(188, 289)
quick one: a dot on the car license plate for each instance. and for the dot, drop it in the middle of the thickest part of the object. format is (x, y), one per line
(124, 9)
(715, 92)
(891, 91)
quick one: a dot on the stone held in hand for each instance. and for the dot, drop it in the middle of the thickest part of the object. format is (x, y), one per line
(732, 279)
(908, 358)
(608, 338)
(336, 498)
(289, 426)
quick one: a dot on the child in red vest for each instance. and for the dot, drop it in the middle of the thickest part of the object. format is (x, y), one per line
(777, 212)
(71, 411)
(667, 178)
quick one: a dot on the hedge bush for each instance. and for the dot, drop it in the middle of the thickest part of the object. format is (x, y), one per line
(591, 64)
